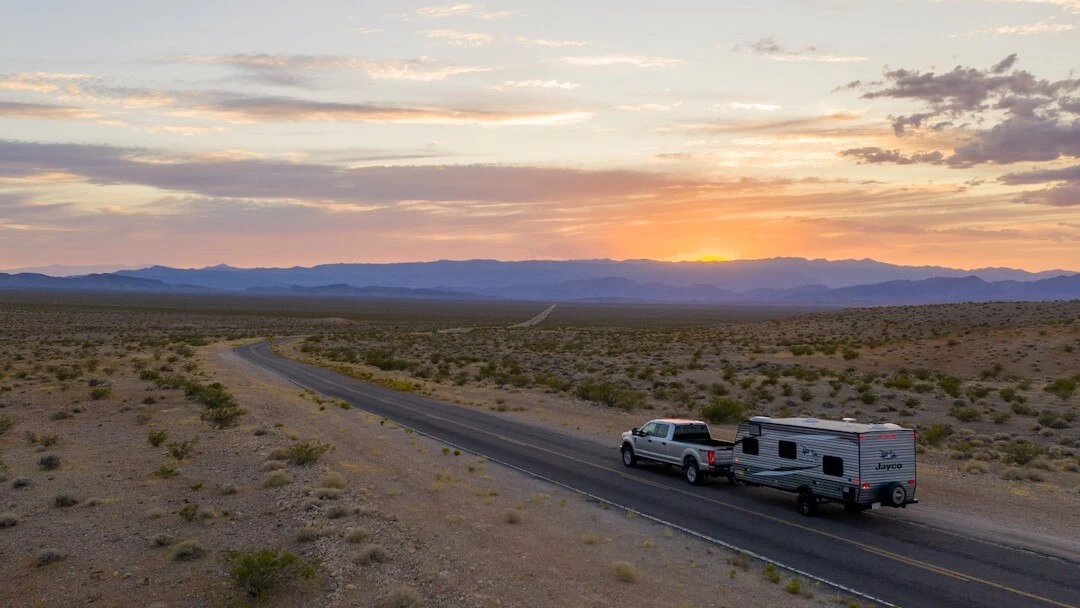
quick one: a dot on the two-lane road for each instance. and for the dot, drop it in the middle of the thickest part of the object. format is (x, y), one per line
(873, 554)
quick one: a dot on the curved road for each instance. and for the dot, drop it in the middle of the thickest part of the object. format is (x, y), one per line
(878, 557)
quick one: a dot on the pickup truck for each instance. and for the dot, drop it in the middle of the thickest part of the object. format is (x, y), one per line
(684, 443)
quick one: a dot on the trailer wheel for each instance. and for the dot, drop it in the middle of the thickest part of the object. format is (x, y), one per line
(629, 459)
(894, 495)
(692, 472)
(806, 503)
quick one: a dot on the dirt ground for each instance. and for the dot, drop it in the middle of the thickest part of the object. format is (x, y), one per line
(92, 514)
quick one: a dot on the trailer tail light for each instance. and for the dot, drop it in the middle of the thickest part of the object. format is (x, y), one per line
(911, 482)
(866, 486)
(712, 455)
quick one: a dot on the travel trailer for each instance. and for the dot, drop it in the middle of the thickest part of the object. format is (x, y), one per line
(863, 466)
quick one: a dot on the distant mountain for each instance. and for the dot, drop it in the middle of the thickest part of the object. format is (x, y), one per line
(341, 290)
(90, 282)
(62, 270)
(511, 279)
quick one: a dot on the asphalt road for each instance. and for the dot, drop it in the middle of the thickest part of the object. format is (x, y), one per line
(884, 558)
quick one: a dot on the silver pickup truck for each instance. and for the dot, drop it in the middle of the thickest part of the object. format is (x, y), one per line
(684, 443)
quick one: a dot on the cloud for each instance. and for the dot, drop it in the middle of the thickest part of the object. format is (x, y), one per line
(552, 43)
(770, 49)
(875, 155)
(1069, 5)
(1029, 29)
(472, 11)
(640, 61)
(750, 126)
(760, 107)
(38, 82)
(44, 111)
(286, 109)
(254, 178)
(648, 107)
(295, 70)
(1061, 195)
(1033, 122)
(536, 84)
(459, 39)
(1045, 175)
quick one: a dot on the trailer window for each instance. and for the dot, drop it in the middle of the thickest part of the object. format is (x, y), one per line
(787, 449)
(750, 446)
(755, 429)
(832, 465)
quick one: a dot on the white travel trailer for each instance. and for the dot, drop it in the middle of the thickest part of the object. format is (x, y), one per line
(864, 466)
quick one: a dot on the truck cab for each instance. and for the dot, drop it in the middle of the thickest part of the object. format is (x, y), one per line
(681, 442)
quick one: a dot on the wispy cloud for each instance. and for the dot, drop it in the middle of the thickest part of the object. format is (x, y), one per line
(552, 43)
(472, 11)
(1030, 29)
(44, 111)
(640, 61)
(284, 109)
(536, 84)
(294, 70)
(459, 39)
(648, 107)
(759, 107)
(770, 49)
(38, 82)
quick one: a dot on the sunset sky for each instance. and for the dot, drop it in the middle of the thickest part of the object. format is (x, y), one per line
(276, 133)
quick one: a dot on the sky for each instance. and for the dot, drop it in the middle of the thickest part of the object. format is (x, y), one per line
(269, 133)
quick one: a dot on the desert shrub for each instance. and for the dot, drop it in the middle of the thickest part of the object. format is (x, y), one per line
(60, 415)
(49, 556)
(180, 450)
(223, 417)
(49, 463)
(794, 587)
(1062, 387)
(308, 534)
(512, 517)
(1020, 452)
(46, 441)
(358, 535)
(935, 433)
(276, 479)
(166, 471)
(1052, 420)
(1001, 417)
(163, 540)
(307, 452)
(332, 479)
(371, 554)
(156, 438)
(186, 551)
(590, 538)
(966, 413)
(8, 520)
(1021, 408)
(225, 489)
(723, 410)
(974, 467)
(849, 354)
(65, 500)
(771, 574)
(402, 597)
(100, 392)
(610, 393)
(260, 571)
(5, 424)
(189, 511)
(625, 572)
(950, 384)
(337, 512)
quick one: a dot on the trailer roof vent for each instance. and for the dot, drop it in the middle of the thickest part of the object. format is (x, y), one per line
(848, 421)
(885, 426)
(760, 419)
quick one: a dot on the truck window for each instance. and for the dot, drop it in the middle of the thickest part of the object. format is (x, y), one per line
(787, 449)
(750, 446)
(648, 429)
(661, 430)
(832, 465)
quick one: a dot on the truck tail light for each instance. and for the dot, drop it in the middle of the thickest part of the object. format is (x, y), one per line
(712, 455)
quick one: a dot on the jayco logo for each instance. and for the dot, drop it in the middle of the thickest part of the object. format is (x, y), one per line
(888, 455)
(888, 467)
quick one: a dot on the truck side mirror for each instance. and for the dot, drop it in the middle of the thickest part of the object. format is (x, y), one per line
(635, 431)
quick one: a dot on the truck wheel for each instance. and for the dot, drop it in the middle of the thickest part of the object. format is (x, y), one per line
(628, 457)
(806, 504)
(693, 473)
(894, 495)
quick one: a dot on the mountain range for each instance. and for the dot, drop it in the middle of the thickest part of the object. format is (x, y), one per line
(776, 280)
